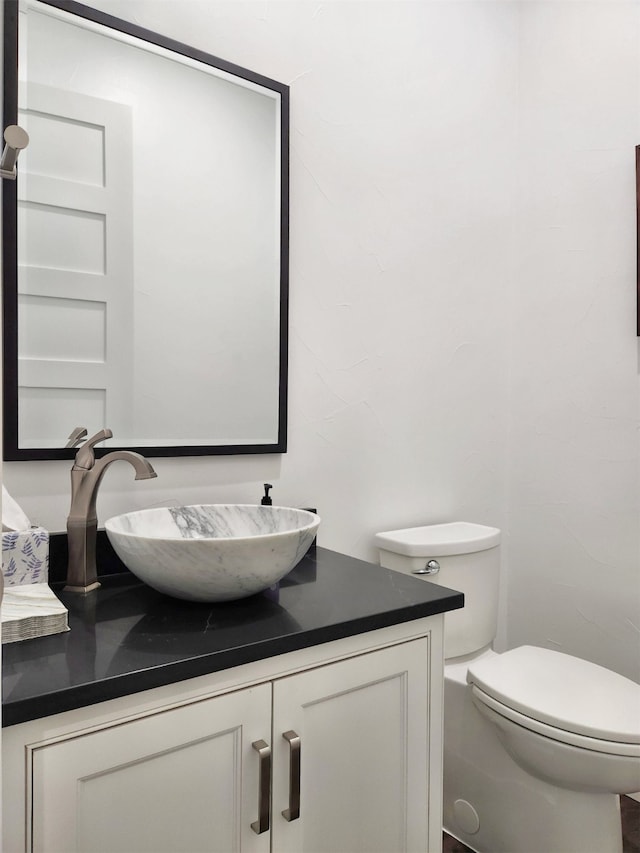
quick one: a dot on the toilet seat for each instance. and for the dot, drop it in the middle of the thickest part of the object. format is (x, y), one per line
(562, 697)
(610, 747)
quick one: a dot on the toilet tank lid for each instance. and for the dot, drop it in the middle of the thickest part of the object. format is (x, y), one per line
(439, 540)
(563, 691)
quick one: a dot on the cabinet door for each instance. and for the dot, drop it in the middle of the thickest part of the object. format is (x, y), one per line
(363, 727)
(179, 781)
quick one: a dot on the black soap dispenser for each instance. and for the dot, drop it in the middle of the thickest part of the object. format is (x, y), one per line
(266, 500)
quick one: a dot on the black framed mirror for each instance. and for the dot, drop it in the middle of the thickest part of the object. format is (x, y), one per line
(145, 241)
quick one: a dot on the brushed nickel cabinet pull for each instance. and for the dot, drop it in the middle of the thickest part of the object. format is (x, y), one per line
(293, 812)
(264, 786)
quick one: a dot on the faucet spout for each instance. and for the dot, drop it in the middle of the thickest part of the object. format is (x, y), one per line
(82, 523)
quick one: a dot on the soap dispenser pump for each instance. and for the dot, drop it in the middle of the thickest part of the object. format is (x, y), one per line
(266, 500)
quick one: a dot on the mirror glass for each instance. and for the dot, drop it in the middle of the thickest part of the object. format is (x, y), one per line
(145, 241)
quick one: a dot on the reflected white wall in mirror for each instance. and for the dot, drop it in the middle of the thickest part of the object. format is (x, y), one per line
(149, 265)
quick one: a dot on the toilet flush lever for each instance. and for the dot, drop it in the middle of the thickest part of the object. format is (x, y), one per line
(432, 568)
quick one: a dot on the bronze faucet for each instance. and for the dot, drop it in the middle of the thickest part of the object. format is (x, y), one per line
(82, 523)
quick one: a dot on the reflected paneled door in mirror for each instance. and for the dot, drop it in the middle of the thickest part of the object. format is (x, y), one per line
(145, 242)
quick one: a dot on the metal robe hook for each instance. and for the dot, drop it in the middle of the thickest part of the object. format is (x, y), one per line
(16, 138)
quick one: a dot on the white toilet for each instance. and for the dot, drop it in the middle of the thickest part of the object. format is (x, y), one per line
(538, 745)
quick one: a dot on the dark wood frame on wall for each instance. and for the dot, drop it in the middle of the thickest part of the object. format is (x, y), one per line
(638, 239)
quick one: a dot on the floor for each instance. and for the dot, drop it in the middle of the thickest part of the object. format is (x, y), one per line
(629, 808)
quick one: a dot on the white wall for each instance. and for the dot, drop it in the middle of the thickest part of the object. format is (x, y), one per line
(443, 355)
(574, 497)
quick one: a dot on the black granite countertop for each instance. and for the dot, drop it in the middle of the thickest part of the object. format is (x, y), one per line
(126, 637)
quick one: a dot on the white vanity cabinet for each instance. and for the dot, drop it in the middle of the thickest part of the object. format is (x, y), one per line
(169, 781)
(178, 769)
(364, 754)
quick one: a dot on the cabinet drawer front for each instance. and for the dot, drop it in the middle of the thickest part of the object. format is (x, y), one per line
(364, 747)
(171, 782)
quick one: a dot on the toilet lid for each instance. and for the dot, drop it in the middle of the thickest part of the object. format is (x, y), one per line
(439, 540)
(562, 691)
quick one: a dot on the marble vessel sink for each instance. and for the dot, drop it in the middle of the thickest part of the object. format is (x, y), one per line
(214, 552)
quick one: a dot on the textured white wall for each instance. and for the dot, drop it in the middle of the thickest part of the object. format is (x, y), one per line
(574, 497)
(462, 342)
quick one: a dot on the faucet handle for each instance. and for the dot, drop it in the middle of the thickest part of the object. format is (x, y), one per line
(76, 437)
(85, 457)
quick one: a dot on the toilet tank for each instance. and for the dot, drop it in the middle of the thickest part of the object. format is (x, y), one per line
(469, 559)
